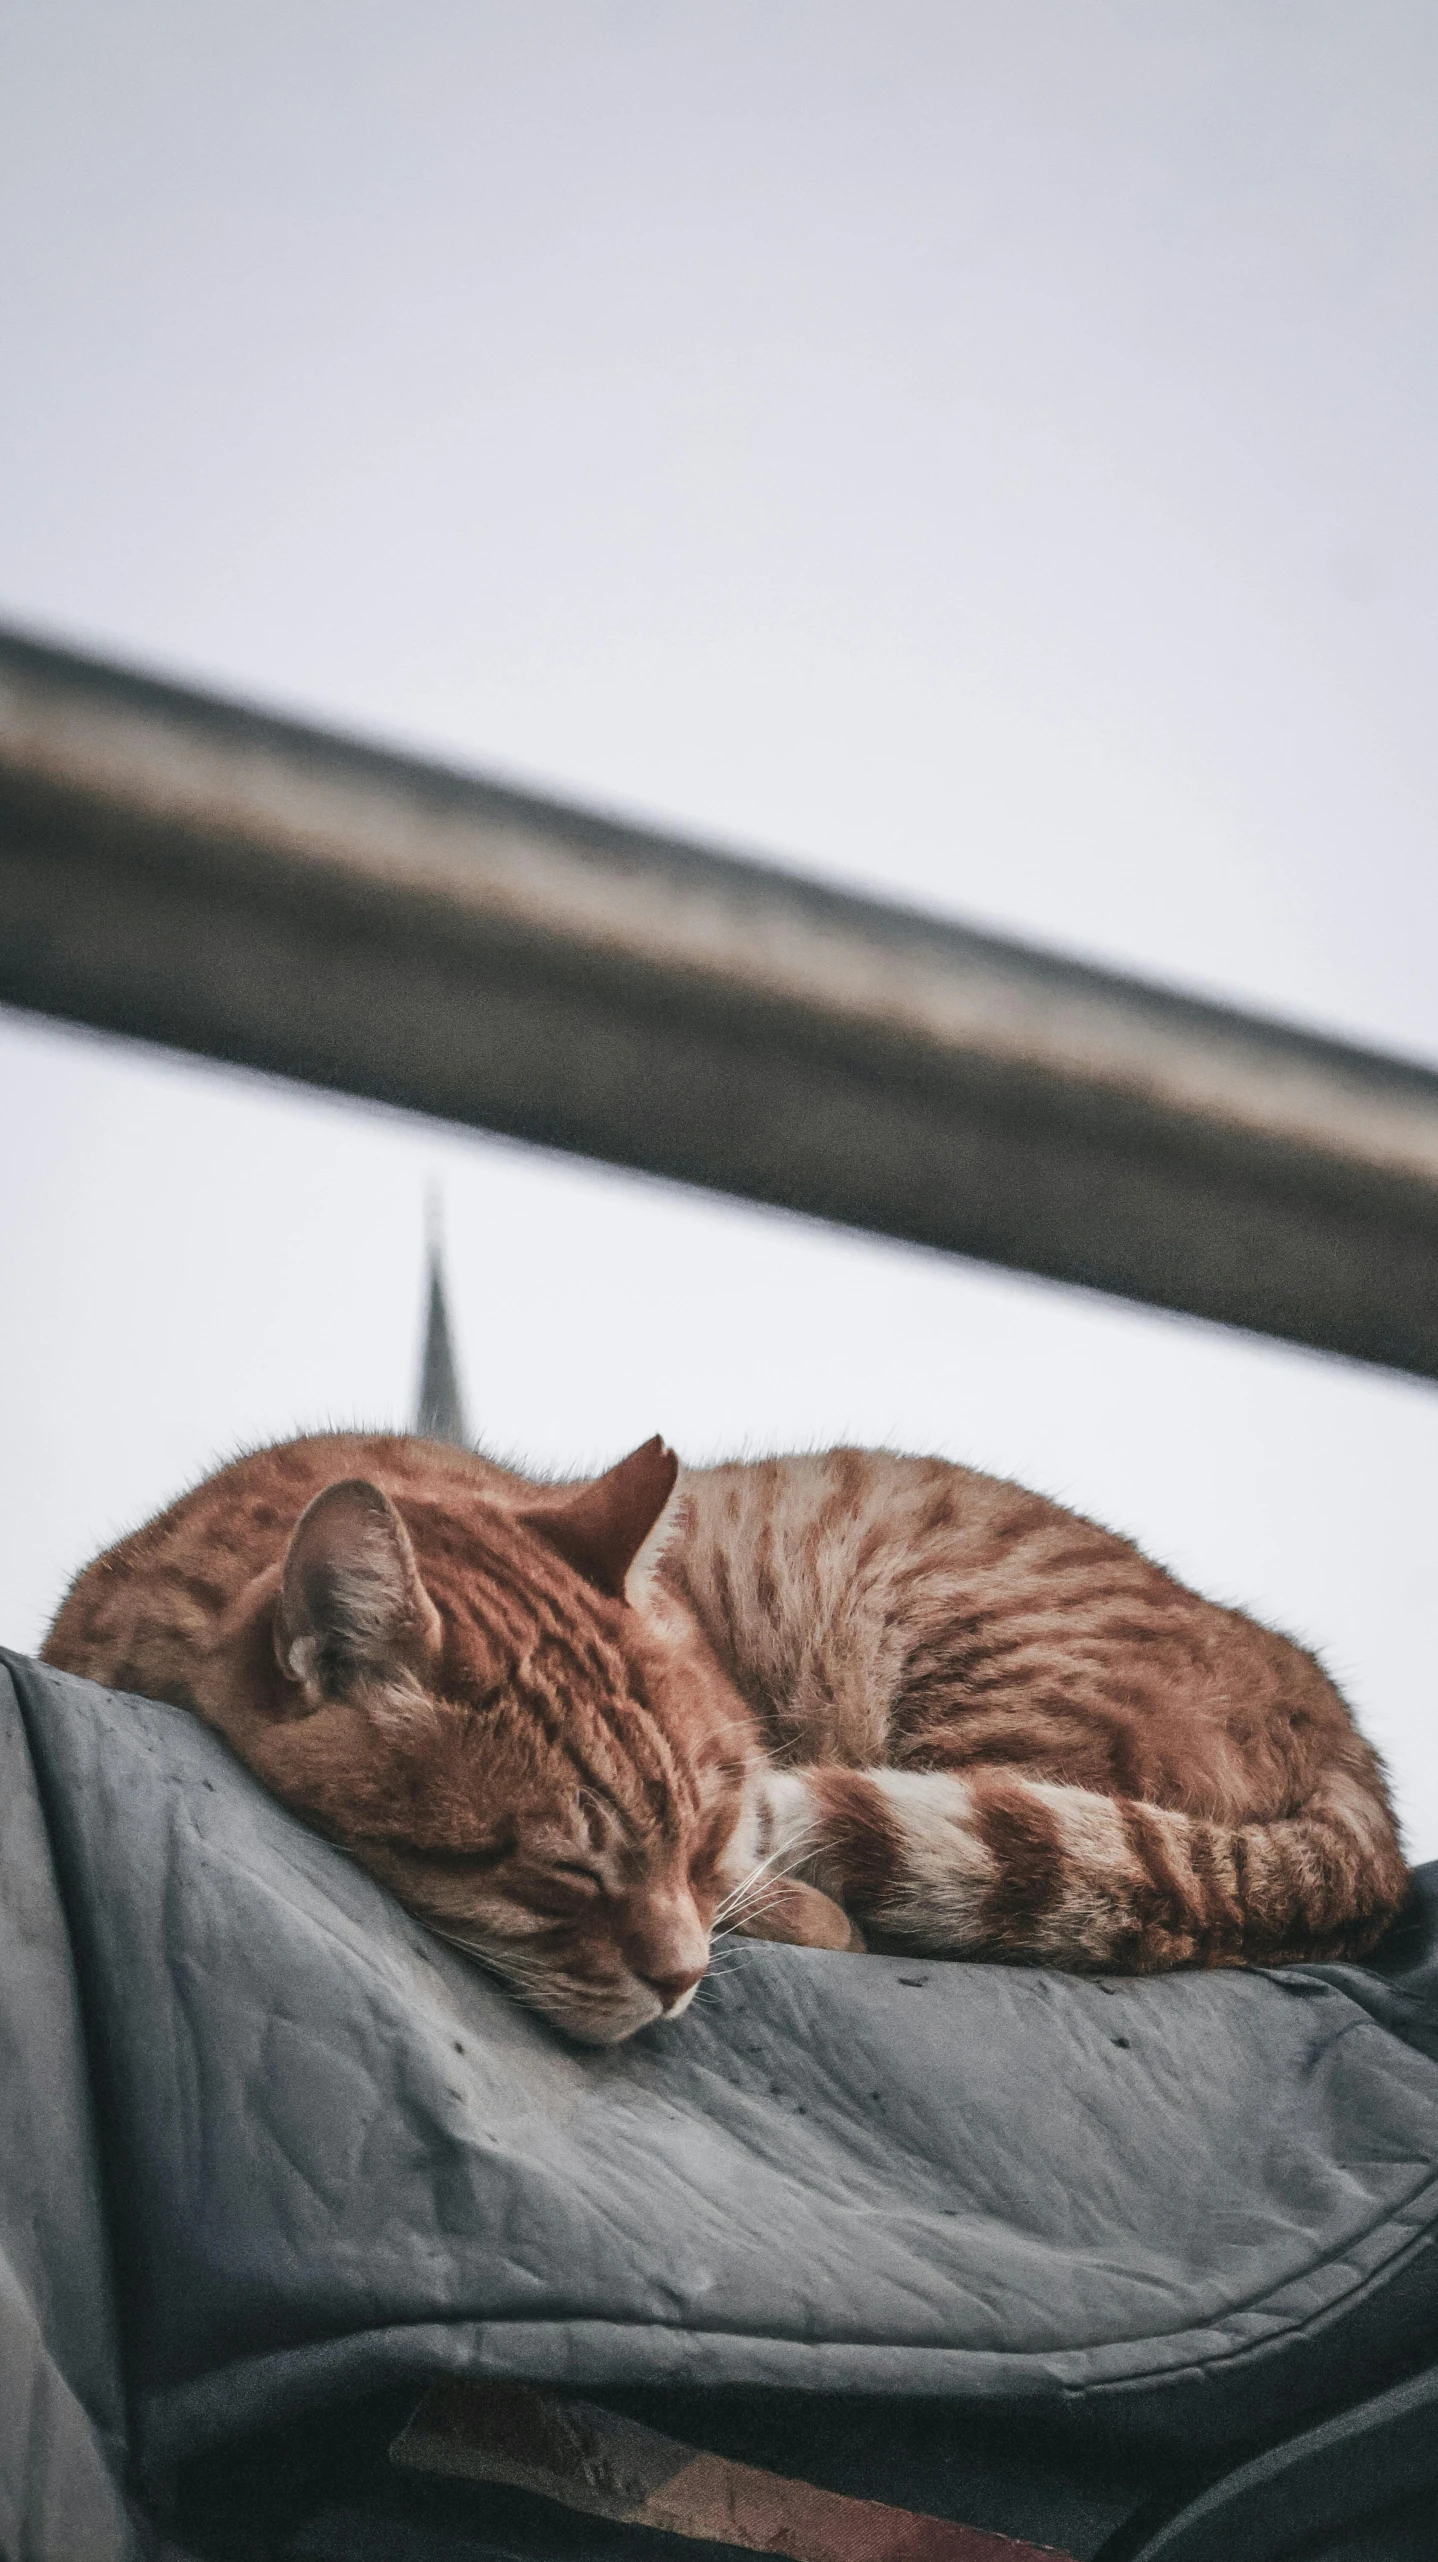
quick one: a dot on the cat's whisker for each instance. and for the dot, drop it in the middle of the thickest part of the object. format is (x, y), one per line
(765, 1871)
(751, 1912)
(767, 1889)
(760, 1880)
(755, 1912)
(455, 1939)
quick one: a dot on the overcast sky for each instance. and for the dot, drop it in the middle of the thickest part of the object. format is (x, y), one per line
(982, 452)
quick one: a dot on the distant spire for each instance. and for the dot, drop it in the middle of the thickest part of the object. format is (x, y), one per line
(439, 1414)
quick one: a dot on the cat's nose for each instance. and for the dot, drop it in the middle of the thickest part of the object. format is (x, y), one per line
(671, 1988)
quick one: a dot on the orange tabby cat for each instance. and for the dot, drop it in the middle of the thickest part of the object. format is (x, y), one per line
(580, 1729)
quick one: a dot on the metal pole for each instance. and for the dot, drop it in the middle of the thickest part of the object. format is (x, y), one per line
(248, 889)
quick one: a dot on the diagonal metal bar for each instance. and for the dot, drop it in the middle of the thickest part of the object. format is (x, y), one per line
(197, 873)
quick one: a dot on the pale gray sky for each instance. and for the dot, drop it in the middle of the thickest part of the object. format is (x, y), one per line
(984, 452)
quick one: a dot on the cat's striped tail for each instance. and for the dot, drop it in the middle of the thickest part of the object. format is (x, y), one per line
(995, 1864)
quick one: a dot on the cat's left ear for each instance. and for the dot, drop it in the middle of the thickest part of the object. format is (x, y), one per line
(600, 1530)
(352, 1612)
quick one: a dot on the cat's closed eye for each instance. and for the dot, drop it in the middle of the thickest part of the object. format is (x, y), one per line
(470, 1863)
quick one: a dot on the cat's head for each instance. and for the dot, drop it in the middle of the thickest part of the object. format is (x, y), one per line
(479, 1702)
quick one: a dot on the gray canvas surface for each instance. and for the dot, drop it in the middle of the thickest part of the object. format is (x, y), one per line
(334, 2155)
(62, 2427)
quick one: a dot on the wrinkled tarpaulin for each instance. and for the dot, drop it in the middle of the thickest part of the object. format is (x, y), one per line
(265, 2147)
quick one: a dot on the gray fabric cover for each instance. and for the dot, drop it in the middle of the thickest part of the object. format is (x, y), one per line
(336, 2155)
(62, 2427)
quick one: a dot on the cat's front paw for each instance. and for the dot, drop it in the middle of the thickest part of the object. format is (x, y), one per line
(802, 1917)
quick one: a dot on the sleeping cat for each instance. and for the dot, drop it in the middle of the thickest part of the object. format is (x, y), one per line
(582, 1730)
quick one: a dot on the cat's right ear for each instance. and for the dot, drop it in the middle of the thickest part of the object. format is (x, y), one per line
(352, 1609)
(603, 1529)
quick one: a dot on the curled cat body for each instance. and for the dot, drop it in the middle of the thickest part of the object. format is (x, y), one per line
(850, 1698)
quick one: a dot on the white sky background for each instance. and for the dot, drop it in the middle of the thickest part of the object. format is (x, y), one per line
(982, 452)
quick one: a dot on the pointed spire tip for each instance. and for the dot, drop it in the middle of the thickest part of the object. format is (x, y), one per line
(439, 1408)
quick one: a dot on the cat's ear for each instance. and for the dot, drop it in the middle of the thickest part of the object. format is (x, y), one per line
(600, 1530)
(352, 1608)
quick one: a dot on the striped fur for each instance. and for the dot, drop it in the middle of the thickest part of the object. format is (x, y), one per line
(1000, 1730)
(584, 1731)
(435, 1665)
